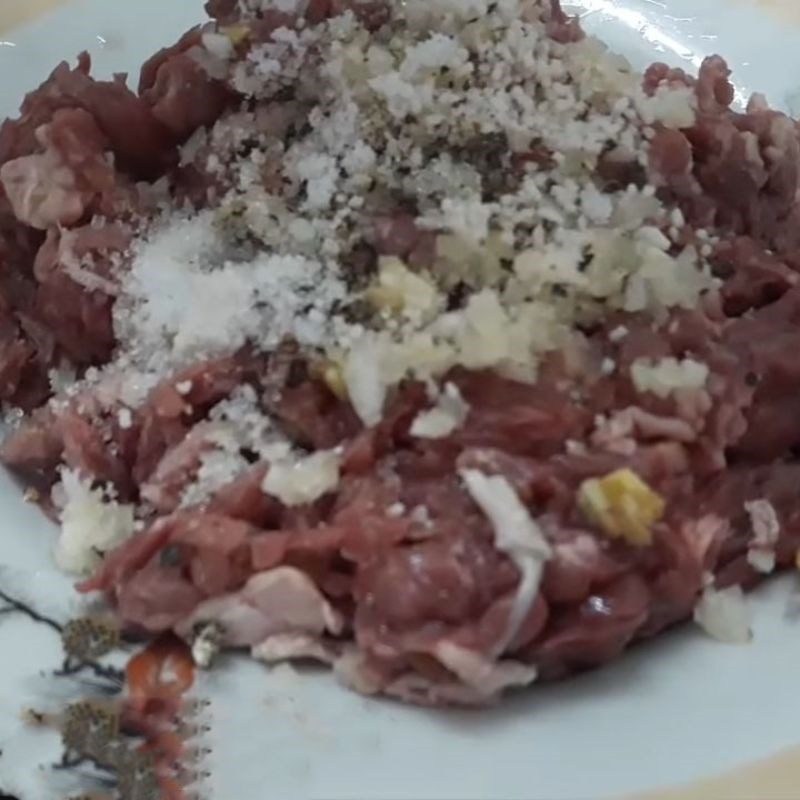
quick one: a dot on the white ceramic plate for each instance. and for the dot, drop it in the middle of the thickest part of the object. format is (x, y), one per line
(673, 711)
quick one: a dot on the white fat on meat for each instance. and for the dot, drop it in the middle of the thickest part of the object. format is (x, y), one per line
(477, 680)
(449, 414)
(42, 191)
(766, 532)
(480, 682)
(518, 535)
(415, 688)
(353, 670)
(293, 646)
(487, 677)
(278, 601)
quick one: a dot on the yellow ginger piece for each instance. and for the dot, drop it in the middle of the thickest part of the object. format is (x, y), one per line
(623, 505)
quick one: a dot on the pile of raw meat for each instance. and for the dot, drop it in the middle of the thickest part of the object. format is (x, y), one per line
(427, 340)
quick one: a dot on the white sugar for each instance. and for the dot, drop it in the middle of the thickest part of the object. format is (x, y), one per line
(185, 299)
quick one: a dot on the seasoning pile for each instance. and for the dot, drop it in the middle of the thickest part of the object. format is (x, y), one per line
(427, 340)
